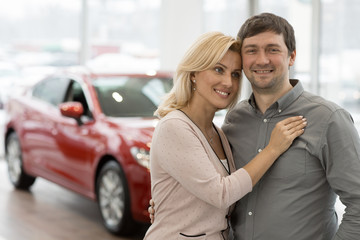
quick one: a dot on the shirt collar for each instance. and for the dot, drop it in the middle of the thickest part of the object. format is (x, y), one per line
(285, 100)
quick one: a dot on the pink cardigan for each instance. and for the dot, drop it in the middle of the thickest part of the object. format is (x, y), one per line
(191, 188)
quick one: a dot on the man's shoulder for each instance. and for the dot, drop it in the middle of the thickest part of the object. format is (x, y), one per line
(239, 113)
(243, 105)
(239, 109)
(320, 102)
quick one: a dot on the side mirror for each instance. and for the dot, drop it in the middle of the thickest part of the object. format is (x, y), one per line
(71, 109)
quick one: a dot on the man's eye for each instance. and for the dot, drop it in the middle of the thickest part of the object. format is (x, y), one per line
(250, 51)
(274, 50)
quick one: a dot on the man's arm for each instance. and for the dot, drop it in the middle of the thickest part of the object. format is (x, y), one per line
(341, 156)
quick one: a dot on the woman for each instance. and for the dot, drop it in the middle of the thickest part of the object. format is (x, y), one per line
(193, 177)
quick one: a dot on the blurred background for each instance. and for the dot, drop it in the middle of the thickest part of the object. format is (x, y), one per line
(37, 36)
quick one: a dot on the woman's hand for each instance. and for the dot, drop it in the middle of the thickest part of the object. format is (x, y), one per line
(281, 138)
(285, 132)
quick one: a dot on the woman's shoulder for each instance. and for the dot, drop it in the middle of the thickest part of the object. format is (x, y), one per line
(175, 125)
(175, 116)
(174, 120)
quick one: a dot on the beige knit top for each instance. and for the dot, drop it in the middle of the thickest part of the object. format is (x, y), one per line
(191, 188)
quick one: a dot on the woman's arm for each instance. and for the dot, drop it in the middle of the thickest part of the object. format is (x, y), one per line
(179, 151)
(282, 136)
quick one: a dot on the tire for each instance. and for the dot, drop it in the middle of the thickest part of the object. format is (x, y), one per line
(18, 177)
(113, 200)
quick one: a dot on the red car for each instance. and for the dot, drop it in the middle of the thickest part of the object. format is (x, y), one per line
(90, 133)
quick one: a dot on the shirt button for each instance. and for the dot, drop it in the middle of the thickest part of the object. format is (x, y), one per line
(265, 120)
(259, 150)
(279, 110)
(250, 213)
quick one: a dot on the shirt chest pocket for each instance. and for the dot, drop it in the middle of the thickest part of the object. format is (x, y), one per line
(291, 163)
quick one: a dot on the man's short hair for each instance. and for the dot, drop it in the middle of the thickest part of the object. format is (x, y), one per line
(268, 22)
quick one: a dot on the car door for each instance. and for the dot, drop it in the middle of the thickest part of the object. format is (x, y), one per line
(40, 116)
(77, 142)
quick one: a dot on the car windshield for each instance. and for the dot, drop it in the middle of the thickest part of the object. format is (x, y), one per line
(131, 96)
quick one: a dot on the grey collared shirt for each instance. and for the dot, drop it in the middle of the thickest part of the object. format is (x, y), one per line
(295, 198)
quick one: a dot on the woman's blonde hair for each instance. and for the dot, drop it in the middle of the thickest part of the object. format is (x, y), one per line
(207, 51)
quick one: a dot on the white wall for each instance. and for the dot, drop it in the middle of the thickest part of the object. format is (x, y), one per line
(181, 24)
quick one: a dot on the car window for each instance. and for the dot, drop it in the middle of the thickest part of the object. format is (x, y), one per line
(131, 96)
(51, 90)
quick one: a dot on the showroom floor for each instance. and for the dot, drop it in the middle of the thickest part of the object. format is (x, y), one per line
(49, 212)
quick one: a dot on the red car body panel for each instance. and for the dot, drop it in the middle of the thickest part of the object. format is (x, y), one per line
(60, 150)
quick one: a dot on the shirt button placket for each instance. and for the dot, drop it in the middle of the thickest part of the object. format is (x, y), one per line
(249, 223)
(251, 202)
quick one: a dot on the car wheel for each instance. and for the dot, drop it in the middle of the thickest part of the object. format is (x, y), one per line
(113, 199)
(16, 172)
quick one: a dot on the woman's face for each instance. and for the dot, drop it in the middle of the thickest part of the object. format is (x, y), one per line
(217, 87)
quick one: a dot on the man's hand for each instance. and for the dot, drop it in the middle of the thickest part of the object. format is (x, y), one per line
(151, 210)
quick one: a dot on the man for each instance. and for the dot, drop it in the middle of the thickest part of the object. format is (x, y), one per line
(295, 198)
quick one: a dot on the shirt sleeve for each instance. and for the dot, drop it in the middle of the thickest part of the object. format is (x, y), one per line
(181, 153)
(341, 156)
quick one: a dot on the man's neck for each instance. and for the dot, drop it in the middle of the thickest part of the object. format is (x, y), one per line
(264, 99)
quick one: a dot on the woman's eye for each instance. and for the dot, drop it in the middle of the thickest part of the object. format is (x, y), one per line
(219, 70)
(236, 75)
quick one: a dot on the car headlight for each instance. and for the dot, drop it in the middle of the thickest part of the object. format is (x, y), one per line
(142, 156)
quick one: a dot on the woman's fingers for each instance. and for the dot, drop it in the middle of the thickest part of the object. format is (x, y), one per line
(296, 126)
(290, 120)
(290, 128)
(286, 131)
(292, 124)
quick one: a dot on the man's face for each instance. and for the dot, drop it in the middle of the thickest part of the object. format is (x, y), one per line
(266, 61)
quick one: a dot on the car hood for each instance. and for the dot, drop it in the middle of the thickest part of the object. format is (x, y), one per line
(140, 129)
(135, 122)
